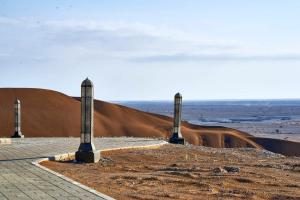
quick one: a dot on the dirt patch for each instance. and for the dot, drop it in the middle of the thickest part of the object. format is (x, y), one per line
(187, 172)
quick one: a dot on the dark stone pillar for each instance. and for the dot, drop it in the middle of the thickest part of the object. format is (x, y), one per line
(87, 151)
(176, 137)
(17, 133)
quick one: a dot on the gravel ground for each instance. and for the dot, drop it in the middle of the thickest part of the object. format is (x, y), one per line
(189, 172)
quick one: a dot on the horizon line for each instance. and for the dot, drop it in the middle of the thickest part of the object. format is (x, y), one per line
(157, 100)
(256, 99)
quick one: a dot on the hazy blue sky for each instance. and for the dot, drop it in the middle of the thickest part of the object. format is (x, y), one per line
(149, 50)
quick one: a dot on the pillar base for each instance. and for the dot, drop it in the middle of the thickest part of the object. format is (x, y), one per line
(87, 156)
(18, 135)
(176, 140)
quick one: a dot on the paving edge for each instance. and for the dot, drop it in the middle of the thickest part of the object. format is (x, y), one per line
(5, 141)
(68, 156)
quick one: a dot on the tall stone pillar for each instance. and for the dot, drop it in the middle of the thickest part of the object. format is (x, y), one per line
(87, 151)
(17, 133)
(176, 137)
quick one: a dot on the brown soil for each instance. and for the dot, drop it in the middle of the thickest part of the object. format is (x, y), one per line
(188, 172)
(47, 113)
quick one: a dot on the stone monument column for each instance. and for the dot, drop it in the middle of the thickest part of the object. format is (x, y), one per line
(176, 137)
(17, 133)
(87, 151)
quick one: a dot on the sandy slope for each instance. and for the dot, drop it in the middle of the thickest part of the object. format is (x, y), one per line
(47, 113)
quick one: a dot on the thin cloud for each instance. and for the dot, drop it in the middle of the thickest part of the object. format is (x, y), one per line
(133, 42)
(216, 57)
(4, 55)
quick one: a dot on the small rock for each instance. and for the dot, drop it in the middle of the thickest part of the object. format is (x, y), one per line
(232, 169)
(174, 165)
(219, 170)
(106, 161)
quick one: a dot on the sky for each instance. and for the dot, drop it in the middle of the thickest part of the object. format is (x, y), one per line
(149, 50)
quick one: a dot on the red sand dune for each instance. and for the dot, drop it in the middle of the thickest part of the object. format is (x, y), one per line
(47, 113)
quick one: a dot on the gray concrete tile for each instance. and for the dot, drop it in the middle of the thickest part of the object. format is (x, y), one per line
(19, 179)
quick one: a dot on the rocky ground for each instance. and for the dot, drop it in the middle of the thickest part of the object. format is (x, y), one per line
(189, 172)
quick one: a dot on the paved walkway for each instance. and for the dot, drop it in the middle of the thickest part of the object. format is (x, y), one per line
(20, 179)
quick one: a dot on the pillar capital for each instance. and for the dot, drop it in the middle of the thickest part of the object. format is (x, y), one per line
(178, 95)
(87, 83)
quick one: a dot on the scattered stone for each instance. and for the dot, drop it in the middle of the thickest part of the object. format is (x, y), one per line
(281, 197)
(226, 169)
(183, 169)
(269, 154)
(286, 166)
(232, 169)
(292, 185)
(219, 170)
(106, 161)
(183, 173)
(295, 167)
(244, 180)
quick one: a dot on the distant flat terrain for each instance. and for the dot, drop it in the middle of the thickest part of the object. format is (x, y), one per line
(278, 119)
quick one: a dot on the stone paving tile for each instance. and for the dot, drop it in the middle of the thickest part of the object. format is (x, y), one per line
(20, 179)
